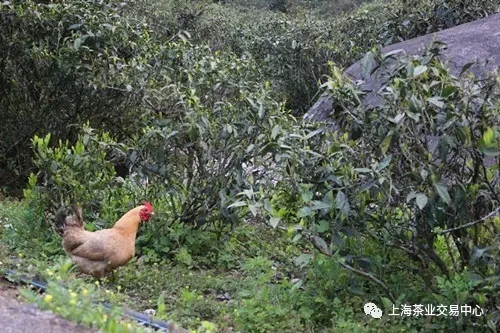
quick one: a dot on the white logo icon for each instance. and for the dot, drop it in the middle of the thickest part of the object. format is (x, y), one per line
(372, 310)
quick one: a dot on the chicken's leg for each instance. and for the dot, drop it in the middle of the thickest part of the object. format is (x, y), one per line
(113, 277)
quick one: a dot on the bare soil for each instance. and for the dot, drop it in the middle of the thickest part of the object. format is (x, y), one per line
(16, 317)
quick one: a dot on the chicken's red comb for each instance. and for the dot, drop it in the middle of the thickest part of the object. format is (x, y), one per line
(148, 206)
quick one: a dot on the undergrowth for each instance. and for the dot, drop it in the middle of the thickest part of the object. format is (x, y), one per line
(263, 290)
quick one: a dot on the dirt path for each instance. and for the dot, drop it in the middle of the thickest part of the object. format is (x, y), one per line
(16, 317)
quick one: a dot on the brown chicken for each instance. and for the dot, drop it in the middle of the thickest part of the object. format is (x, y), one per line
(99, 253)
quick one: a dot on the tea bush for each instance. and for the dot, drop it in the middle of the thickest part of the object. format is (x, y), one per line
(413, 18)
(64, 64)
(201, 136)
(66, 61)
(399, 206)
(405, 177)
(294, 48)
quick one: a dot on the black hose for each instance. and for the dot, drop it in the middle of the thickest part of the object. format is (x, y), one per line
(140, 318)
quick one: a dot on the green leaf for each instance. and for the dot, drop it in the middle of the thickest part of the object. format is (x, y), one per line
(313, 133)
(385, 162)
(421, 201)
(466, 67)
(492, 152)
(253, 209)
(448, 90)
(443, 192)
(488, 143)
(386, 143)
(298, 285)
(415, 108)
(306, 196)
(237, 204)
(488, 136)
(304, 212)
(296, 238)
(398, 118)
(184, 257)
(414, 116)
(419, 70)
(392, 54)
(342, 204)
(74, 26)
(462, 134)
(321, 245)
(328, 197)
(363, 170)
(436, 101)
(412, 195)
(250, 148)
(245, 293)
(322, 226)
(317, 205)
(275, 132)
(387, 303)
(303, 259)
(273, 221)
(367, 65)
(86, 139)
(267, 205)
(77, 43)
(248, 193)
(478, 253)
(262, 111)
(424, 173)
(160, 303)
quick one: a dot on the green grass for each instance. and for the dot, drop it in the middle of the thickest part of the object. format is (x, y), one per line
(253, 286)
(187, 295)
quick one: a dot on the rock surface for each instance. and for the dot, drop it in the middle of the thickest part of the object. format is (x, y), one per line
(475, 41)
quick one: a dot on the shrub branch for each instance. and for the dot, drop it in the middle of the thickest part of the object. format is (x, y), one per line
(470, 224)
(349, 267)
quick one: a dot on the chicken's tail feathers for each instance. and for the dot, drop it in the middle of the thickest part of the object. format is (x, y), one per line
(63, 220)
(77, 211)
(59, 219)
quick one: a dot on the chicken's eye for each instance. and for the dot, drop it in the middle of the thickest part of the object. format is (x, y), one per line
(144, 215)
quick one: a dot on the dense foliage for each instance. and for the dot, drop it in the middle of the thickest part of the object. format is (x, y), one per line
(417, 175)
(192, 106)
(54, 57)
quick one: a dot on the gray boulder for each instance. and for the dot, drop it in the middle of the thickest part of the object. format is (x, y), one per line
(477, 41)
